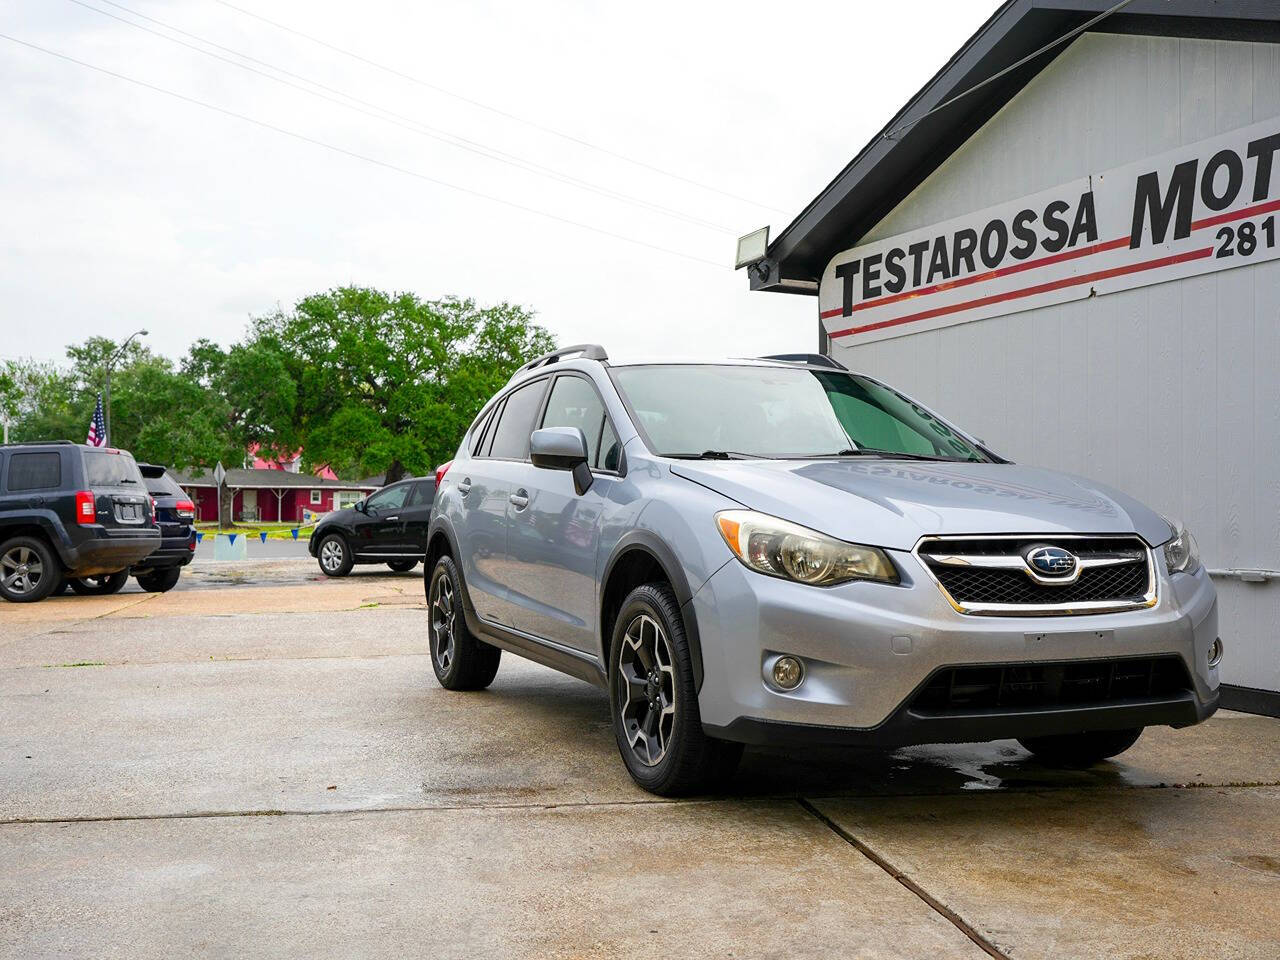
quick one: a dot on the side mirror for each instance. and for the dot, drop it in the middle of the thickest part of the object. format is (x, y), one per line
(562, 448)
(360, 506)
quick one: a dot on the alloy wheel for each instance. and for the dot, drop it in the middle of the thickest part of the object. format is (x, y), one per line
(647, 689)
(443, 612)
(21, 570)
(331, 555)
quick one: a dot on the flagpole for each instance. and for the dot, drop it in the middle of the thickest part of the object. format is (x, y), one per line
(111, 362)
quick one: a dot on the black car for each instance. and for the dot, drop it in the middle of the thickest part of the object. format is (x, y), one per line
(389, 527)
(70, 513)
(176, 518)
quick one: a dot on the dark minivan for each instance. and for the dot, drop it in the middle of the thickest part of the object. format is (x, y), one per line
(69, 511)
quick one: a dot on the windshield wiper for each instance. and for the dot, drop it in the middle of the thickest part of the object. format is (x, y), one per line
(889, 455)
(713, 455)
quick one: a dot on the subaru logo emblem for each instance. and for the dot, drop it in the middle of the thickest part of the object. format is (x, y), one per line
(1050, 561)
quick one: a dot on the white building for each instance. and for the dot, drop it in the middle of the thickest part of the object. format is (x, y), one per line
(1080, 263)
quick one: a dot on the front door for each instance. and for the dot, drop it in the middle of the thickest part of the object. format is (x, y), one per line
(552, 542)
(380, 529)
(249, 505)
(416, 515)
(488, 481)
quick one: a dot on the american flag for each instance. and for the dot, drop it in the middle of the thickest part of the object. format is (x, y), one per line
(97, 427)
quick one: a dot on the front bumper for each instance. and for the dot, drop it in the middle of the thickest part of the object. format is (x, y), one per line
(868, 648)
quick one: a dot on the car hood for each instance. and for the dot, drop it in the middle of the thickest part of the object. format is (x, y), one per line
(892, 503)
(344, 516)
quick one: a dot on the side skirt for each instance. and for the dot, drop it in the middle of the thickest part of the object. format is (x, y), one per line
(553, 655)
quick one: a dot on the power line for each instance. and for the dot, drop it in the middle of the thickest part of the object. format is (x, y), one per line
(1007, 70)
(386, 165)
(409, 123)
(498, 110)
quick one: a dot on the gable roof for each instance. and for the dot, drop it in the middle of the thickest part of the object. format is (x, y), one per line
(916, 142)
(240, 478)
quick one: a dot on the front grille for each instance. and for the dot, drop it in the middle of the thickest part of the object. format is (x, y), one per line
(985, 589)
(1032, 686)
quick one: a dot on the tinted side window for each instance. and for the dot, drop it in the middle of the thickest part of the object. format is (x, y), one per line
(575, 403)
(424, 492)
(35, 471)
(511, 436)
(481, 432)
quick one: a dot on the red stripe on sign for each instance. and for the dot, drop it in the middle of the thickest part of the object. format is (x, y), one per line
(1255, 211)
(980, 277)
(1030, 291)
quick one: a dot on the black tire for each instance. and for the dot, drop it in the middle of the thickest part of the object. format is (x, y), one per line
(334, 556)
(402, 566)
(100, 584)
(461, 660)
(159, 581)
(1081, 749)
(28, 570)
(654, 705)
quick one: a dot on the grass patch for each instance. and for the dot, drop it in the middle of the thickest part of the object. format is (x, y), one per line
(78, 663)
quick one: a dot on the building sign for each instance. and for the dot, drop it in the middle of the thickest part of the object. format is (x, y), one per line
(1204, 207)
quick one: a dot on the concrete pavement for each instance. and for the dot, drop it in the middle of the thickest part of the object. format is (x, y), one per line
(273, 771)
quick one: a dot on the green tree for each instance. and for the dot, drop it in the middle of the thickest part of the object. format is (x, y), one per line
(389, 382)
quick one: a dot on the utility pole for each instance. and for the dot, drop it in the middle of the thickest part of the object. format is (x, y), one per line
(106, 391)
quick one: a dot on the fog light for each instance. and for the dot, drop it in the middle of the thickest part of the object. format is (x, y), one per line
(787, 673)
(1215, 652)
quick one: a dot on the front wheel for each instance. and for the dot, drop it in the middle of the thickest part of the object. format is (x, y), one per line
(334, 556)
(100, 584)
(159, 581)
(402, 566)
(1081, 749)
(460, 660)
(654, 703)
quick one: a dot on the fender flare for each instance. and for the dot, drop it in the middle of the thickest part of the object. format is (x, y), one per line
(651, 543)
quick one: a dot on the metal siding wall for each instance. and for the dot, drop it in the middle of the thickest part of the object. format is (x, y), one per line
(1172, 391)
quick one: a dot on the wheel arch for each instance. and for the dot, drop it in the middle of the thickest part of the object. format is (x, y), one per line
(642, 557)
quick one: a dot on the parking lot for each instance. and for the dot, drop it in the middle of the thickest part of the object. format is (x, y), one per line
(270, 769)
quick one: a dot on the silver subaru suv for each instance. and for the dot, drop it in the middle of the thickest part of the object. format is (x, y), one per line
(779, 551)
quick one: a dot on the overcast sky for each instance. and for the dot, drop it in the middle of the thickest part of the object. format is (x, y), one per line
(124, 207)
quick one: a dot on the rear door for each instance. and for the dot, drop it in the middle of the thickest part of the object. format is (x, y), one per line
(120, 496)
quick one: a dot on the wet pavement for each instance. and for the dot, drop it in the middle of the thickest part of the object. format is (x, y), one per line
(273, 771)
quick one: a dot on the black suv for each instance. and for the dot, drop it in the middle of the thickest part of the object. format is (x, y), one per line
(69, 511)
(389, 527)
(176, 518)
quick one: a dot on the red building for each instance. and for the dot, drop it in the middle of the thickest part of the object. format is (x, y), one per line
(270, 495)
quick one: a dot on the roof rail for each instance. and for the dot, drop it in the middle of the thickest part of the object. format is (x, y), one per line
(588, 351)
(813, 359)
(43, 443)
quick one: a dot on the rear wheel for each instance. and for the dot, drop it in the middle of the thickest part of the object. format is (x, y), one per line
(1081, 749)
(401, 566)
(159, 581)
(334, 556)
(28, 571)
(654, 702)
(99, 584)
(461, 660)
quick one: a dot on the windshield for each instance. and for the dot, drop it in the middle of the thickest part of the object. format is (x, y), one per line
(773, 412)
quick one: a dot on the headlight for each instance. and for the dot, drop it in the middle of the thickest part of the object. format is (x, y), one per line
(1181, 555)
(788, 550)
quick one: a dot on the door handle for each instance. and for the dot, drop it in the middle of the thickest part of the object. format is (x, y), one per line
(519, 499)
(396, 517)
(465, 486)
